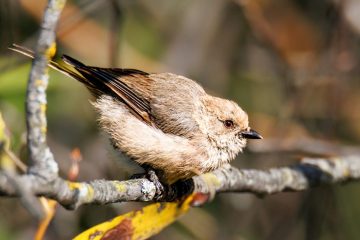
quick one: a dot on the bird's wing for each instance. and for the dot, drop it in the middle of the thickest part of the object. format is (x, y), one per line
(171, 104)
(176, 104)
(128, 85)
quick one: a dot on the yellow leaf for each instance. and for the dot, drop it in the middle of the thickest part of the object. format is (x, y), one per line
(140, 224)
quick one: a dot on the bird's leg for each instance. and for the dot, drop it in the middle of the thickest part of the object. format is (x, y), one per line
(152, 176)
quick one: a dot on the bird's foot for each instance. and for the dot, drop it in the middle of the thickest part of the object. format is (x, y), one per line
(159, 187)
(151, 175)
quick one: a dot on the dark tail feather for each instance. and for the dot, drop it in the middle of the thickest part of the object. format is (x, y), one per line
(23, 50)
(55, 65)
(71, 61)
(101, 81)
(67, 67)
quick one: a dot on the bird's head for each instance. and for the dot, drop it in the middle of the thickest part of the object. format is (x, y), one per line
(227, 127)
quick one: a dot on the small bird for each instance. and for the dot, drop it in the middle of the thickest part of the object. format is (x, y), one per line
(162, 120)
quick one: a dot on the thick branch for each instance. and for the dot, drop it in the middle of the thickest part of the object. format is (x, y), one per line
(309, 173)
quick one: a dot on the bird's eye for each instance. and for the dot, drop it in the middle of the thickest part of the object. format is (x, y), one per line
(228, 123)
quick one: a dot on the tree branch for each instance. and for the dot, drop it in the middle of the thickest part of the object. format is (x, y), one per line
(309, 173)
(42, 160)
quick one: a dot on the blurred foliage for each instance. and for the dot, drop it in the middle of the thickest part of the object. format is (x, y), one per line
(291, 64)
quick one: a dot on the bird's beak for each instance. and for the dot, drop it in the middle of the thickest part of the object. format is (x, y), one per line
(250, 134)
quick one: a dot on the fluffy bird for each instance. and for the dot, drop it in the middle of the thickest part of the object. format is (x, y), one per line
(162, 120)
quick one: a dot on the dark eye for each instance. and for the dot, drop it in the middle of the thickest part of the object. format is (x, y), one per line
(228, 123)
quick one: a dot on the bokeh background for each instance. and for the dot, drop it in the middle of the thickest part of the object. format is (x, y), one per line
(291, 64)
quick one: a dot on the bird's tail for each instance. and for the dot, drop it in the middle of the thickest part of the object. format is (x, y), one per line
(67, 66)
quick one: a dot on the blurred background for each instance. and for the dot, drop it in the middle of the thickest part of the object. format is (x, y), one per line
(291, 64)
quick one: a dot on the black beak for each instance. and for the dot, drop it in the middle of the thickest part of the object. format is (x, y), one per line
(251, 134)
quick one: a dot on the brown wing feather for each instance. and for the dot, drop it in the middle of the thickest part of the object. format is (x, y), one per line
(116, 82)
(128, 85)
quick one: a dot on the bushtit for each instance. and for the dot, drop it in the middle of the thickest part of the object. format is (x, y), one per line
(162, 120)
